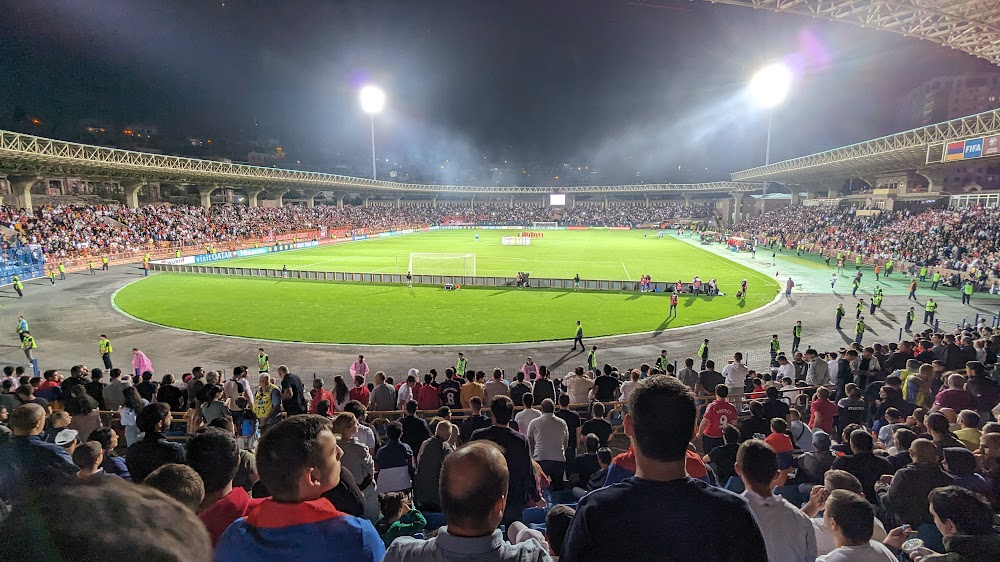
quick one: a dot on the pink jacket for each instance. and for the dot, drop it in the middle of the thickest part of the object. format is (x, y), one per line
(142, 363)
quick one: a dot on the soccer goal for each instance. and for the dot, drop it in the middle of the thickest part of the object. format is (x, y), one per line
(544, 224)
(442, 264)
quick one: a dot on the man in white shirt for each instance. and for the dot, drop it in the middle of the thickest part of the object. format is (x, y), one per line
(735, 374)
(578, 386)
(496, 387)
(547, 439)
(833, 367)
(406, 390)
(835, 480)
(785, 368)
(848, 518)
(788, 533)
(818, 373)
(527, 415)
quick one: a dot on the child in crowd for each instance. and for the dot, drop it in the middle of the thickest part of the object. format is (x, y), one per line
(398, 518)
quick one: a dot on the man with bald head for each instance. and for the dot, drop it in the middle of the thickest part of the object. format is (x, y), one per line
(27, 462)
(473, 496)
(904, 495)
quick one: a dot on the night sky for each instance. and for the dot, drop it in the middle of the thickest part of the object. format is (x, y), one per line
(604, 82)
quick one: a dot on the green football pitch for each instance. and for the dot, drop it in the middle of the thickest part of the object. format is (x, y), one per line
(318, 311)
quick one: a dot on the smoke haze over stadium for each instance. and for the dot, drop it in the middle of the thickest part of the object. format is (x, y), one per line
(643, 93)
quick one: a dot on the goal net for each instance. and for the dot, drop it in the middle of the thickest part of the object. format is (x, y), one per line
(544, 224)
(442, 264)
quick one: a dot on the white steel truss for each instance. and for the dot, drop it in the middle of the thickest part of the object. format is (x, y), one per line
(902, 151)
(971, 26)
(27, 154)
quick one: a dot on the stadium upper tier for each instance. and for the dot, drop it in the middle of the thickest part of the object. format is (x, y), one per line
(27, 154)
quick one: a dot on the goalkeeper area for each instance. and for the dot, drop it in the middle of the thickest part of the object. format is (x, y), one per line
(422, 263)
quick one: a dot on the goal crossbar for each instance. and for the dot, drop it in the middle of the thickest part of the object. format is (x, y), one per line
(425, 263)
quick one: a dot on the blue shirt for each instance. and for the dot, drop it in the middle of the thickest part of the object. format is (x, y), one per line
(312, 530)
(29, 463)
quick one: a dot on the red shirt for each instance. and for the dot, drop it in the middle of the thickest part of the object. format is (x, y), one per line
(673, 299)
(361, 394)
(718, 414)
(218, 516)
(829, 411)
(319, 396)
(427, 398)
(780, 442)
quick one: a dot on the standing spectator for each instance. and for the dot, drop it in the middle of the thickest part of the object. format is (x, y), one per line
(318, 394)
(578, 386)
(985, 391)
(547, 438)
(358, 461)
(128, 415)
(496, 387)
(521, 485)
(525, 416)
(169, 394)
(215, 456)
(238, 395)
(95, 388)
(298, 460)
(628, 385)
(415, 430)
(597, 424)
(518, 389)
(408, 390)
(605, 388)
(293, 400)
(822, 411)
(660, 422)
(213, 407)
(427, 480)
(543, 386)
(153, 450)
(469, 389)
(360, 392)
(148, 387)
(530, 369)
(735, 373)
(788, 533)
(114, 392)
(474, 506)
(718, 414)
(572, 420)
(427, 396)
(474, 421)
(394, 462)
(359, 368)
(688, 375)
(383, 395)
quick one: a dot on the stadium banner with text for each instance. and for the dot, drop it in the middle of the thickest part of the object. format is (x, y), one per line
(971, 149)
(577, 228)
(991, 145)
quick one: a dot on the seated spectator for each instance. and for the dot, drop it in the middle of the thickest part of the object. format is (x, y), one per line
(473, 505)
(28, 464)
(848, 518)
(112, 463)
(89, 456)
(298, 460)
(394, 462)
(961, 464)
(58, 421)
(180, 482)
(940, 429)
(965, 520)
(863, 463)
(788, 532)
(812, 466)
(904, 494)
(398, 518)
(723, 458)
(902, 440)
(70, 515)
(597, 479)
(968, 432)
(585, 465)
(557, 522)
(83, 408)
(474, 421)
(774, 406)
(427, 479)
(802, 436)
(756, 426)
(834, 480)
(597, 424)
(246, 473)
(660, 423)
(153, 450)
(893, 421)
(778, 438)
(215, 456)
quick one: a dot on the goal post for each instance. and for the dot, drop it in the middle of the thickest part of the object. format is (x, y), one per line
(544, 224)
(422, 263)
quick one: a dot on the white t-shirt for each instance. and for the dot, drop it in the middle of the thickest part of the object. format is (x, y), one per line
(524, 417)
(825, 543)
(735, 374)
(786, 370)
(627, 387)
(833, 369)
(365, 436)
(871, 552)
(578, 389)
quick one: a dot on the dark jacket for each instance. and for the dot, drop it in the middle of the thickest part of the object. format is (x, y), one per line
(415, 432)
(543, 389)
(29, 463)
(521, 486)
(906, 498)
(867, 468)
(471, 424)
(426, 488)
(985, 391)
(154, 451)
(96, 391)
(969, 548)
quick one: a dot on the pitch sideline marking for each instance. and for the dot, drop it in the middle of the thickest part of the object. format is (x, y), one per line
(626, 270)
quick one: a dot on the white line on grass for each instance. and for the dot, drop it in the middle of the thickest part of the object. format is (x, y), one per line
(626, 270)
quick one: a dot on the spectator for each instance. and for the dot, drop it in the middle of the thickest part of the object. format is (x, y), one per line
(415, 430)
(527, 415)
(213, 407)
(153, 451)
(718, 414)
(148, 387)
(954, 395)
(496, 387)
(83, 408)
(802, 436)
(112, 463)
(822, 411)
(27, 463)
(723, 457)
(598, 425)
(128, 414)
(383, 395)
(965, 520)
(358, 461)
(940, 429)
(863, 463)
(578, 386)
(628, 385)
(547, 439)
(427, 396)
(215, 456)
(427, 480)
(605, 388)
(905, 499)
(299, 460)
(474, 506)
(469, 389)
(521, 477)
(293, 400)
(660, 421)
(474, 421)
(557, 522)
(95, 388)
(360, 392)
(968, 432)
(756, 426)
(774, 406)
(179, 482)
(834, 480)
(961, 464)
(848, 519)
(543, 387)
(394, 462)
(318, 394)
(408, 390)
(902, 439)
(71, 514)
(788, 533)
(366, 433)
(398, 518)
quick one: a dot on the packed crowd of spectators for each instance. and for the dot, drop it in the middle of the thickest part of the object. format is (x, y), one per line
(963, 239)
(859, 454)
(69, 231)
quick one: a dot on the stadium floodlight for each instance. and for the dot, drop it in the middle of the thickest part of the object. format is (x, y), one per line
(372, 101)
(771, 84)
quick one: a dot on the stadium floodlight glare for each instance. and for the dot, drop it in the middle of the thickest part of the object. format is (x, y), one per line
(771, 84)
(372, 101)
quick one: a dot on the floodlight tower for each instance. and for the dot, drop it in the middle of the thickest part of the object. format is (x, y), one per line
(768, 88)
(372, 101)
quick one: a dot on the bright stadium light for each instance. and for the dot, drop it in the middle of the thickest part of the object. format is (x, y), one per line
(770, 86)
(372, 102)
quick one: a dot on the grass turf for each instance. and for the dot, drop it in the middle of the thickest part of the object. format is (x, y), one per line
(387, 314)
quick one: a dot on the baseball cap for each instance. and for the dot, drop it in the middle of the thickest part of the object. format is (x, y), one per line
(65, 437)
(821, 439)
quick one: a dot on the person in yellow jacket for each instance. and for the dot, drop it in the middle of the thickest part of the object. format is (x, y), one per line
(105, 346)
(104, 263)
(28, 346)
(859, 330)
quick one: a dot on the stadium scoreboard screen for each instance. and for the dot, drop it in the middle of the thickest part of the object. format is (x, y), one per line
(557, 199)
